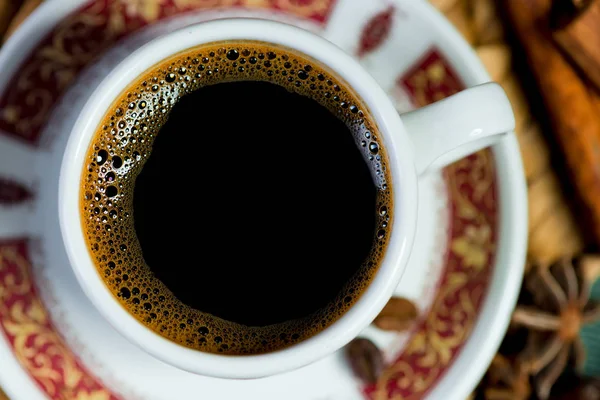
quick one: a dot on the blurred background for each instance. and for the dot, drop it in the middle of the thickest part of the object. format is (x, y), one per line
(546, 55)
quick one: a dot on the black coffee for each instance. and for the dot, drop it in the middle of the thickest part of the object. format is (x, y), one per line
(274, 218)
(236, 198)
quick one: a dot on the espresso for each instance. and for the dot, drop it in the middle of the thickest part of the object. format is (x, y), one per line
(236, 198)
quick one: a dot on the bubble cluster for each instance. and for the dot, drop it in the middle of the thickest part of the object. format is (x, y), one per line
(121, 146)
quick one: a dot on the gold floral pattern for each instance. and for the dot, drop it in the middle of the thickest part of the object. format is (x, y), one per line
(149, 10)
(82, 37)
(471, 184)
(448, 325)
(208, 3)
(473, 246)
(430, 80)
(76, 42)
(94, 395)
(35, 342)
(303, 7)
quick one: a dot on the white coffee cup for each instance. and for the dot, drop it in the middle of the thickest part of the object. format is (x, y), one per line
(418, 141)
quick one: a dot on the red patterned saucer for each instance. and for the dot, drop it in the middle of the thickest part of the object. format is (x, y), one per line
(464, 274)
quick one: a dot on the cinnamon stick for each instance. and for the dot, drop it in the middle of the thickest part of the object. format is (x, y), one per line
(574, 116)
(577, 32)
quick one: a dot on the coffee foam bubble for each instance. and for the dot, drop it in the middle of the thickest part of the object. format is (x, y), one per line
(122, 144)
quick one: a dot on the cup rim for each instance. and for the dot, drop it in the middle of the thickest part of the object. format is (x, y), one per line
(404, 182)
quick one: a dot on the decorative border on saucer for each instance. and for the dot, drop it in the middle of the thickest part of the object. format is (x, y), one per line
(27, 327)
(474, 218)
(12, 192)
(27, 104)
(53, 65)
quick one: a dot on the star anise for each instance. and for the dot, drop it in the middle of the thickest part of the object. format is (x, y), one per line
(507, 380)
(582, 389)
(558, 306)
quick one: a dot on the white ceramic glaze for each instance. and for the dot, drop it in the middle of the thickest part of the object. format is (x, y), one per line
(460, 125)
(464, 134)
(129, 371)
(403, 175)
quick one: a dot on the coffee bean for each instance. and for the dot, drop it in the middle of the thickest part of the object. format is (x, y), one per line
(397, 315)
(365, 359)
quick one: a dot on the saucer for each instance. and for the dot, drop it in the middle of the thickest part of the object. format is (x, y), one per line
(464, 273)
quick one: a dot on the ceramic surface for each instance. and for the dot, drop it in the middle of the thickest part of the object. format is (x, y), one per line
(464, 274)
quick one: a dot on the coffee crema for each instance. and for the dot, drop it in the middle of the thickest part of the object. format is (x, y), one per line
(123, 248)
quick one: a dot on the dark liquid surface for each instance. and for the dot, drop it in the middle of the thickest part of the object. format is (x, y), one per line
(255, 204)
(227, 214)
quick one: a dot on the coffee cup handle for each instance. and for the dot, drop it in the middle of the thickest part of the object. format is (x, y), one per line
(462, 124)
